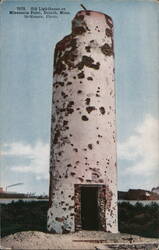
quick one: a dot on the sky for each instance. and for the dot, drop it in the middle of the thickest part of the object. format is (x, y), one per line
(27, 48)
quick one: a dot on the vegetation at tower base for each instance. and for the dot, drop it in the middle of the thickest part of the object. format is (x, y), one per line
(23, 216)
(139, 219)
(133, 219)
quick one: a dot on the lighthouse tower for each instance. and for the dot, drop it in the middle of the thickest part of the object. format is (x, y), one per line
(83, 180)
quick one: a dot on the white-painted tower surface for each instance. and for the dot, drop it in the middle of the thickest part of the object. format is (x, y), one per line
(83, 180)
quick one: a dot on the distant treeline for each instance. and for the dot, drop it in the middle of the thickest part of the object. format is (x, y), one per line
(24, 216)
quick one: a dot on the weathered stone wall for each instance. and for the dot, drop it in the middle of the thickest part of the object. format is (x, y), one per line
(83, 131)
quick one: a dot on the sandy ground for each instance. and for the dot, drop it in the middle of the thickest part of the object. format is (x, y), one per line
(78, 240)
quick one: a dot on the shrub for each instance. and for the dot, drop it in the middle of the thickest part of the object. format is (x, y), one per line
(139, 219)
(23, 216)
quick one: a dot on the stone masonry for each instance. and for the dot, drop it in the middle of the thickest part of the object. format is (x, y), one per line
(83, 128)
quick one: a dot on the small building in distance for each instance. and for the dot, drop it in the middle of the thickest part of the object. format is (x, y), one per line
(137, 194)
(155, 190)
(1, 190)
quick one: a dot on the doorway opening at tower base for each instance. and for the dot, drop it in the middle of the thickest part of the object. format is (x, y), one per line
(89, 208)
(90, 205)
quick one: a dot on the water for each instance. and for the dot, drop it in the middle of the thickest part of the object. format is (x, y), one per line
(7, 201)
(144, 202)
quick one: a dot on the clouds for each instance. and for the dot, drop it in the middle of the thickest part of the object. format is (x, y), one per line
(141, 150)
(38, 156)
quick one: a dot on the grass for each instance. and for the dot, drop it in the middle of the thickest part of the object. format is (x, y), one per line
(23, 216)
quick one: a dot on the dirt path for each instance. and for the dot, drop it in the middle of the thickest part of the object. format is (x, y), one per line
(78, 240)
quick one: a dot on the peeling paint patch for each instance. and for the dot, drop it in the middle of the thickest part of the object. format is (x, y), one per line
(88, 62)
(107, 50)
(89, 78)
(90, 146)
(79, 91)
(87, 100)
(102, 110)
(84, 118)
(81, 75)
(60, 219)
(108, 32)
(90, 109)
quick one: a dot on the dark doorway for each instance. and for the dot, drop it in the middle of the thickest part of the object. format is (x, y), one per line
(89, 208)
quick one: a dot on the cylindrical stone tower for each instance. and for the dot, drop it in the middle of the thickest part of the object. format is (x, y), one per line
(83, 179)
